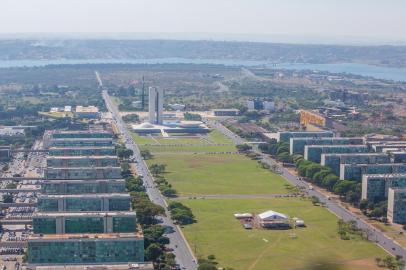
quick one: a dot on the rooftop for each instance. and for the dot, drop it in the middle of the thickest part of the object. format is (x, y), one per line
(226, 110)
(105, 266)
(83, 168)
(388, 175)
(81, 147)
(86, 236)
(272, 214)
(354, 154)
(374, 164)
(80, 139)
(308, 132)
(86, 196)
(80, 131)
(83, 214)
(326, 138)
(338, 146)
(83, 181)
(80, 157)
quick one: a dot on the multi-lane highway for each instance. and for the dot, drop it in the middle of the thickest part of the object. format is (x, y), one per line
(184, 255)
(373, 234)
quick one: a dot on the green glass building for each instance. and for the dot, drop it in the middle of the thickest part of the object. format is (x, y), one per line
(375, 187)
(78, 173)
(355, 171)
(86, 248)
(284, 136)
(81, 142)
(82, 151)
(84, 215)
(83, 203)
(397, 205)
(82, 161)
(82, 186)
(84, 222)
(313, 152)
(297, 145)
(334, 160)
(81, 134)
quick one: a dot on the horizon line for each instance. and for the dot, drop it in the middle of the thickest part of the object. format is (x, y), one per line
(201, 36)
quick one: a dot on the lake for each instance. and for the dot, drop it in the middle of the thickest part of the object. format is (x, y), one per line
(396, 74)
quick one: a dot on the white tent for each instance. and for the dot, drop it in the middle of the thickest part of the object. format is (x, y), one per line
(272, 215)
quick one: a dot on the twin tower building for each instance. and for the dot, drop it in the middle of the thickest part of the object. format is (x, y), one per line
(156, 106)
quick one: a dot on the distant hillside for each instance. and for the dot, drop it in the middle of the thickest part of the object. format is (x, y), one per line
(394, 56)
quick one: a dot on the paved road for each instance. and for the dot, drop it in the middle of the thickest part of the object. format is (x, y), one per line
(184, 255)
(374, 235)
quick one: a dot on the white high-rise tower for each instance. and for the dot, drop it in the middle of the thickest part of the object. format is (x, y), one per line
(156, 105)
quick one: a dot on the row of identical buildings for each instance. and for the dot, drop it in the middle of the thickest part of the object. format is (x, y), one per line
(380, 164)
(84, 214)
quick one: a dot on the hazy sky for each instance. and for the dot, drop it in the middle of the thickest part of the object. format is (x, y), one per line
(361, 19)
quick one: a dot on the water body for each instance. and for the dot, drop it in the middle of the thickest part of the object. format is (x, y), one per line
(396, 74)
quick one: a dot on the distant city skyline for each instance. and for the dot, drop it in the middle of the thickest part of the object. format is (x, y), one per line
(291, 21)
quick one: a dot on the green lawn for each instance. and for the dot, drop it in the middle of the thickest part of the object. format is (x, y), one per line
(218, 174)
(216, 137)
(181, 140)
(141, 140)
(189, 148)
(218, 232)
(213, 137)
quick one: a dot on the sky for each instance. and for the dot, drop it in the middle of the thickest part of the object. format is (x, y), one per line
(295, 20)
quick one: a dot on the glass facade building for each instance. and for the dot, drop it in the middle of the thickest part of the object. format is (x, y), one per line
(83, 173)
(44, 225)
(81, 134)
(297, 145)
(284, 136)
(84, 215)
(355, 171)
(313, 152)
(82, 161)
(375, 187)
(334, 160)
(86, 222)
(92, 248)
(81, 142)
(80, 203)
(399, 156)
(82, 151)
(82, 186)
(397, 205)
